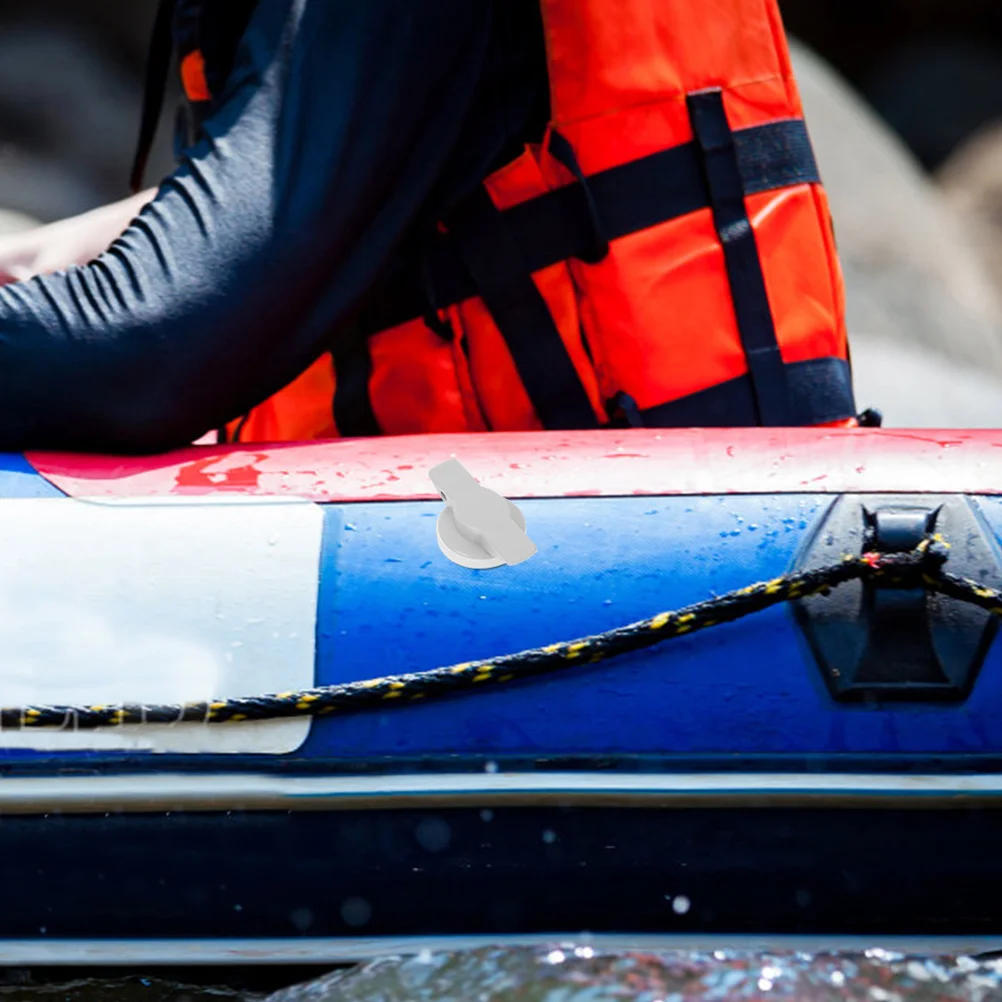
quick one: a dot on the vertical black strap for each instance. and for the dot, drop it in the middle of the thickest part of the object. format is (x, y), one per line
(353, 413)
(503, 279)
(744, 268)
(564, 152)
(157, 71)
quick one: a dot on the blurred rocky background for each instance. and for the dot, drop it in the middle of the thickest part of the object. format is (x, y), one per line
(904, 103)
(71, 82)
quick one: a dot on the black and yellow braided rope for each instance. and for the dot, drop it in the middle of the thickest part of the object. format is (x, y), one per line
(921, 567)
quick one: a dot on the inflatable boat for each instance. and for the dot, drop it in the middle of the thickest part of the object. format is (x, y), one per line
(746, 685)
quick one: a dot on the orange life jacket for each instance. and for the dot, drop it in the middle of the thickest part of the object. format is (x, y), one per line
(665, 257)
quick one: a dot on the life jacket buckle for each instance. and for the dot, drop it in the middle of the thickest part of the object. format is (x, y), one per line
(623, 411)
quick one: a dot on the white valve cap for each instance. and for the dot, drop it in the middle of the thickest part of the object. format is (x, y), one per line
(477, 528)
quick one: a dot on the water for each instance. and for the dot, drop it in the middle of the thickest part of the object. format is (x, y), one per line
(579, 974)
(131, 989)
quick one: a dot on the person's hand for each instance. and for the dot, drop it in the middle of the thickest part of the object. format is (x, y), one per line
(46, 249)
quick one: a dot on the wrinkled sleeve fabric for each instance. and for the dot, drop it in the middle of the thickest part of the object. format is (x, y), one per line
(325, 148)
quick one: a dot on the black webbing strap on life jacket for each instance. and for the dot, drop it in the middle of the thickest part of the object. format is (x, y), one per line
(353, 413)
(820, 392)
(631, 197)
(564, 152)
(504, 282)
(766, 371)
(157, 72)
(571, 223)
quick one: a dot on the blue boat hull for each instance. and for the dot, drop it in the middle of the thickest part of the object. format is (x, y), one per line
(709, 786)
(415, 873)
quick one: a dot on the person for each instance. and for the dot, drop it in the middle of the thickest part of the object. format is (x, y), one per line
(398, 217)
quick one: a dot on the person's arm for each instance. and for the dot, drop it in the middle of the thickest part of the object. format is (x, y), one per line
(334, 129)
(43, 250)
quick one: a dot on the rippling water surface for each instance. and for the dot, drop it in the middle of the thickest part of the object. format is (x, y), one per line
(132, 989)
(579, 974)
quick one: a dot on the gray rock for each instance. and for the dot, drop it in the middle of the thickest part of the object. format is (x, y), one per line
(15, 222)
(924, 315)
(936, 90)
(69, 113)
(971, 181)
(119, 28)
(918, 387)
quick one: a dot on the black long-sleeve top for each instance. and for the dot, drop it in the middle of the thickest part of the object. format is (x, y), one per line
(345, 129)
